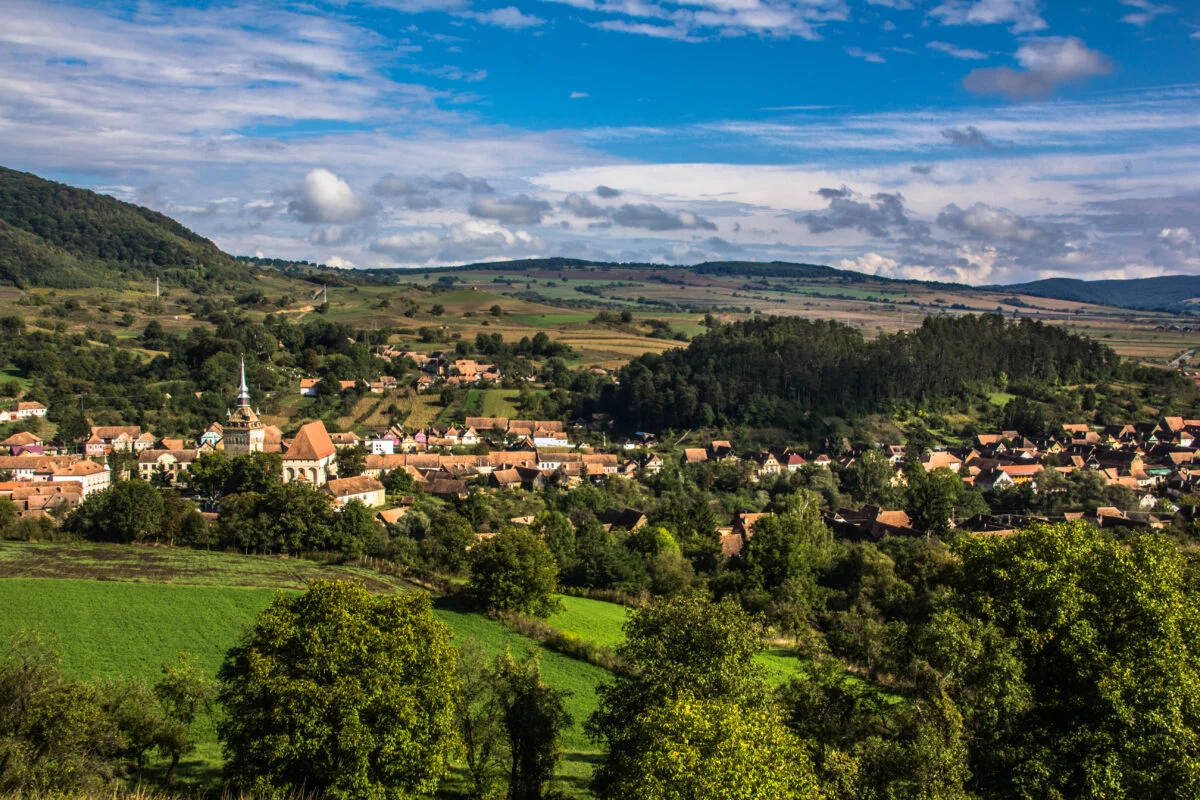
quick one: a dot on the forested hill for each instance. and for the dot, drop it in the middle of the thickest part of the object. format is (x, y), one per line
(1169, 293)
(56, 235)
(780, 370)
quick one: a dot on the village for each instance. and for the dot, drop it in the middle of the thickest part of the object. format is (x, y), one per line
(1154, 462)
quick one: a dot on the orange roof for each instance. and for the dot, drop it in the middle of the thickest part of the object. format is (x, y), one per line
(312, 443)
(21, 439)
(347, 487)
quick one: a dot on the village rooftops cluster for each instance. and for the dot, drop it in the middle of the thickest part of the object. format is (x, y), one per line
(1156, 461)
(440, 368)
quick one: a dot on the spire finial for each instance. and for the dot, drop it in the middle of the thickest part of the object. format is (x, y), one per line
(243, 390)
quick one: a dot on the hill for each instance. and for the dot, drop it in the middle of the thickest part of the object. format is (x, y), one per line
(1178, 293)
(56, 235)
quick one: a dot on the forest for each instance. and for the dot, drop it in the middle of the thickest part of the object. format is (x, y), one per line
(781, 371)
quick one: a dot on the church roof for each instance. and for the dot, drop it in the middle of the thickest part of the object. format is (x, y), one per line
(312, 443)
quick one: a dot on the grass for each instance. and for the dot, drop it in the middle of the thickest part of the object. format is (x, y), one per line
(123, 611)
(593, 621)
(1000, 398)
(499, 403)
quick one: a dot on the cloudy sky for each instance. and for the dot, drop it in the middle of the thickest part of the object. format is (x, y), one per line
(984, 141)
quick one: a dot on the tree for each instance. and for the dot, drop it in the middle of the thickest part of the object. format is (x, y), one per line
(445, 546)
(183, 691)
(785, 556)
(437, 309)
(125, 512)
(72, 427)
(351, 461)
(535, 717)
(872, 479)
(1108, 637)
(717, 748)
(931, 497)
(210, 474)
(54, 735)
(675, 646)
(480, 721)
(515, 571)
(342, 694)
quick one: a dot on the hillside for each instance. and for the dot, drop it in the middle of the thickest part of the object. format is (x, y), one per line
(1178, 293)
(56, 235)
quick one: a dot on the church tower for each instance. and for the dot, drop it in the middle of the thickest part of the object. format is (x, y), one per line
(243, 433)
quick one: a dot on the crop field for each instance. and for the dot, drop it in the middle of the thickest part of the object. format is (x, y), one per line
(425, 409)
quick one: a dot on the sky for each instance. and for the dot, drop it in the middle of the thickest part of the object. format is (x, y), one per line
(978, 141)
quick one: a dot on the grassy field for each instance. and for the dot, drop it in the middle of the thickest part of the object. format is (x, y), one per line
(121, 611)
(591, 620)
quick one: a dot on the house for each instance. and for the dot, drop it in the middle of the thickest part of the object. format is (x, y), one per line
(308, 387)
(23, 442)
(447, 488)
(91, 476)
(40, 499)
(625, 518)
(869, 523)
(118, 439)
(469, 438)
(767, 463)
(695, 455)
(211, 438)
(390, 516)
(27, 409)
(363, 488)
(721, 450)
(743, 522)
(505, 479)
(175, 463)
(311, 456)
(381, 444)
(653, 465)
(344, 441)
(941, 458)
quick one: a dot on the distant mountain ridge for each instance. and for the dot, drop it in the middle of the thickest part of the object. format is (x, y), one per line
(1178, 293)
(56, 235)
(52, 234)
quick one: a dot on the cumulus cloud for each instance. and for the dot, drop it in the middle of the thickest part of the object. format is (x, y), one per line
(415, 195)
(461, 183)
(964, 53)
(1176, 248)
(340, 263)
(582, 207)
(1045, 65)
(1021, 15)
(969, 136)
(509, 17)
(1146, 11)
(1036, 241)
(578, 95)
(607, 192)
(880, 214)
(519, 210)
(652, 218)
(324, 197)
(472, 240)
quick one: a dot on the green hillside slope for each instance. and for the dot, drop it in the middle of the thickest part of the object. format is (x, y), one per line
(56, 235)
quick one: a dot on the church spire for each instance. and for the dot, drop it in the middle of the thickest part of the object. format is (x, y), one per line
(243, 390)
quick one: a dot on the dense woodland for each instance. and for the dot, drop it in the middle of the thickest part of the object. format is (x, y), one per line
(52, 234)
(782, 371)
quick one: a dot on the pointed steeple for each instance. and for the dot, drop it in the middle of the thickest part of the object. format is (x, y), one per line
(243, 390)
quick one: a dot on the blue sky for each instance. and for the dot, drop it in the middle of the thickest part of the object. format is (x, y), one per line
(984, 141)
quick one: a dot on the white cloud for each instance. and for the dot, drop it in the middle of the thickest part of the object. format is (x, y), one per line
(858, 52)
(1146, 11)
(472, 240)
(326, 197)
(1045, 64)
(340, 263)
(1021, 15)
(579, 95)
(509, 17)
(965, 53)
